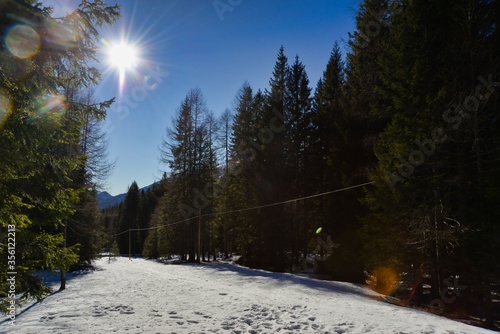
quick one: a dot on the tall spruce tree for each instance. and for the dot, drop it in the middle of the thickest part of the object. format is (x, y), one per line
(129, 219)
(84, 226)
(188, 152)
(240, 191)
(297, 135)
(221, 196)
(335, 164)
(37, 130)
(270, 160)
(327, 139)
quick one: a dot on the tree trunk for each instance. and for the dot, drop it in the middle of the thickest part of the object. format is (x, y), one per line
(436, 273)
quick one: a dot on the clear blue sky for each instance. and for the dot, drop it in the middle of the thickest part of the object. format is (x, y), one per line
(186, 44)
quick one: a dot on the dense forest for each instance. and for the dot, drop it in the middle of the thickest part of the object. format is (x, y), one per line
(386, 170)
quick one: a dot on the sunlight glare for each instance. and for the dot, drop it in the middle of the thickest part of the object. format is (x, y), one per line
(122, 56)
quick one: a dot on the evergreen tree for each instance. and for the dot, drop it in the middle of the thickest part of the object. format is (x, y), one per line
(270, 164)
(297, 132)
(84, 227)
(188, 152)
(239, 192)
(430, 156)
(365, 102)
(38, 128)
(146, 207)
(150, 248)
(327, 123)
(94, 142)
(327, 139)
(336, 161)
(222, 197)
(128, 242)
(366, 107)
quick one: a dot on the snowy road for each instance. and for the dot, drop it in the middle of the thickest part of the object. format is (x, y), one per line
(141, 296)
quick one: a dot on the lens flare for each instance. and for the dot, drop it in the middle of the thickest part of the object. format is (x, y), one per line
(5, 109)
(318, 231)
(23, 41)
(386, 280)
(60, 34)
(51, 104)
(149, 83)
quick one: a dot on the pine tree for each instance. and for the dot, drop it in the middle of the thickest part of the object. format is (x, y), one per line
(366, 110)
(223, 222)
(188, 152)
(37, 130)
(327, 139)
(147, 204)
(297, 136)
(84, 226)
(365, 101)
(336, 161)
(128, 242)
(240, 231)
(270, 164)
(94, 142)
(415, 104)
(327, 122)
(151, 246)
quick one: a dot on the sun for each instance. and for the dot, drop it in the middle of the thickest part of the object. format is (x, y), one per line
(122, 56)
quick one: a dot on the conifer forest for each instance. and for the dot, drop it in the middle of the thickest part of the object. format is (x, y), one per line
(386, 171)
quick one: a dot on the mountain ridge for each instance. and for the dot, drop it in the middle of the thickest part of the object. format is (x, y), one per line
(106, 200)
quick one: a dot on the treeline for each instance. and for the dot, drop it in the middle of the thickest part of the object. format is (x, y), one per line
(138, 211)
(412, 107)
(52, 147)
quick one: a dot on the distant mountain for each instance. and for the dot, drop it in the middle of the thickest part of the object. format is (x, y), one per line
(105, 199)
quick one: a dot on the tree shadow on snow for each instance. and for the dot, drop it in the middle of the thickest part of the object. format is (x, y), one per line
(281, 279)
(51, 279)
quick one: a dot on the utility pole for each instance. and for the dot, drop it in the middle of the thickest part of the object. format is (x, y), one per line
(199, 236)
(63, 273)
(129, 245)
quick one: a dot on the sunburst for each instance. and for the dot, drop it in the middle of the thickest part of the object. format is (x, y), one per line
(122, 56)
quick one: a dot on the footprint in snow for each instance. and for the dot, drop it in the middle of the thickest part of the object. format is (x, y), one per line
(46, 318)
(123, 309)
(154, 313)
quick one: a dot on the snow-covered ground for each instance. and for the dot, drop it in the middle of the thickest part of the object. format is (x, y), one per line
(141, 296)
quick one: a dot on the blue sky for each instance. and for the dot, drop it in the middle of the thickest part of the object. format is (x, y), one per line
(184, 44)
